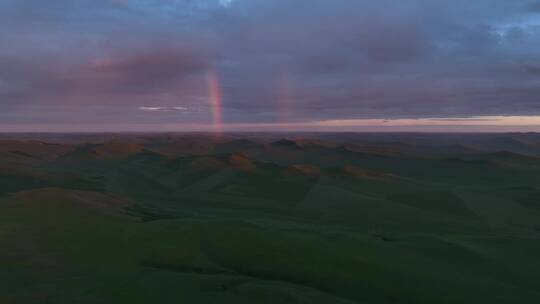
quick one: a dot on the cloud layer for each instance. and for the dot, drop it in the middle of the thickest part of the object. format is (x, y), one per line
(294, 61)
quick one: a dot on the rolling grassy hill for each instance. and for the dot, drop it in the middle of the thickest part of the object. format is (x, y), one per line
(237, 220)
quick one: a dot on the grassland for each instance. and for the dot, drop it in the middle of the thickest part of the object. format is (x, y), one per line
(285, 221)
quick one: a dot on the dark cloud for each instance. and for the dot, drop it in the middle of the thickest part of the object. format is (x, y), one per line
(534, 7)
(151, 71)
(303, 60)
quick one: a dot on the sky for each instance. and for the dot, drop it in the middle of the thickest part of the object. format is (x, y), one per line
(188, 65)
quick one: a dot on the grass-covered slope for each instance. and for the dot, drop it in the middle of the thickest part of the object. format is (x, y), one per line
(288, 222)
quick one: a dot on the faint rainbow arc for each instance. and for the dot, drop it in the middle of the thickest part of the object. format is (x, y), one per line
(284, 94)
(216, 100)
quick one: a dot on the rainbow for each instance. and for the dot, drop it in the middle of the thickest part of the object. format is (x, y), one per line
(216, 97)
(284, 94)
